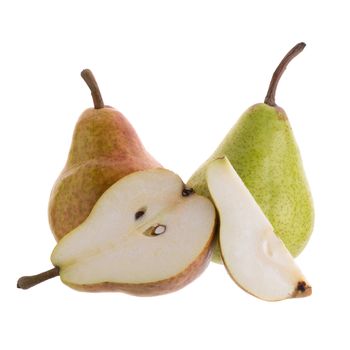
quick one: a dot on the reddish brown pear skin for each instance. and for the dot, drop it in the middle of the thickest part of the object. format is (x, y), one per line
(105, 148)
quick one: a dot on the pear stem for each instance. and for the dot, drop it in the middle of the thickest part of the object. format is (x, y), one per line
(270, 96)
(27, 282)
(91, 82)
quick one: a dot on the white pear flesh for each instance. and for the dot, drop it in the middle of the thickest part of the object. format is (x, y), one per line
(144, 236)
(256, 259)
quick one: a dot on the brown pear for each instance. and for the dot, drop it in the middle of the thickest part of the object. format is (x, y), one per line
(105, 148)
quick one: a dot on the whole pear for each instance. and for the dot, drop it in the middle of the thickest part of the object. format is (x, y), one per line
(104, 148)
(262, 149)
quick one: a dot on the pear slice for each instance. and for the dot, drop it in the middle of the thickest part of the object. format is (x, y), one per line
(147, 234)
(256, 259)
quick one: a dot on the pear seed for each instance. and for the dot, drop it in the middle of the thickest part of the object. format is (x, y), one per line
(155, 230)
(139, 213)
(158, 230)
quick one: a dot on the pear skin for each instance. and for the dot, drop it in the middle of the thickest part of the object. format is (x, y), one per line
(262, 149)
(105, 148)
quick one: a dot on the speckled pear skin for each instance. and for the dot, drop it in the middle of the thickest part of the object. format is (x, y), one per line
(105, 148)
(262, 149)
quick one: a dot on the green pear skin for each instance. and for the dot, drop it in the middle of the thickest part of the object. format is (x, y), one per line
(262, 149)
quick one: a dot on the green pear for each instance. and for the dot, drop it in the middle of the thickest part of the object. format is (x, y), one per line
(104, 148)
(262, 149)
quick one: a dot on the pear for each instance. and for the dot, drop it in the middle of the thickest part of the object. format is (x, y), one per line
(253, 255)
(148, 234)
(264, 152)
(104, 148)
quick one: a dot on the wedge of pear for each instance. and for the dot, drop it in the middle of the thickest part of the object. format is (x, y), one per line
(104, 148)
(252, 253)
(263, 150)
(148, 234)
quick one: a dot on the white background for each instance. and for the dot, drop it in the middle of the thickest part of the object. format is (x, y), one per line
(182, 72)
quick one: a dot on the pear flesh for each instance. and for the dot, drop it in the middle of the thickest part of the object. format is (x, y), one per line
(253, 255)
(146, 235)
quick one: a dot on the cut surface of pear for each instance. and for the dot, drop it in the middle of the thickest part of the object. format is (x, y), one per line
(146, 235)
(253, 255)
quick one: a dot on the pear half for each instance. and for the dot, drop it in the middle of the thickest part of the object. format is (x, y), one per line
(256, 259)
(148, 234)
